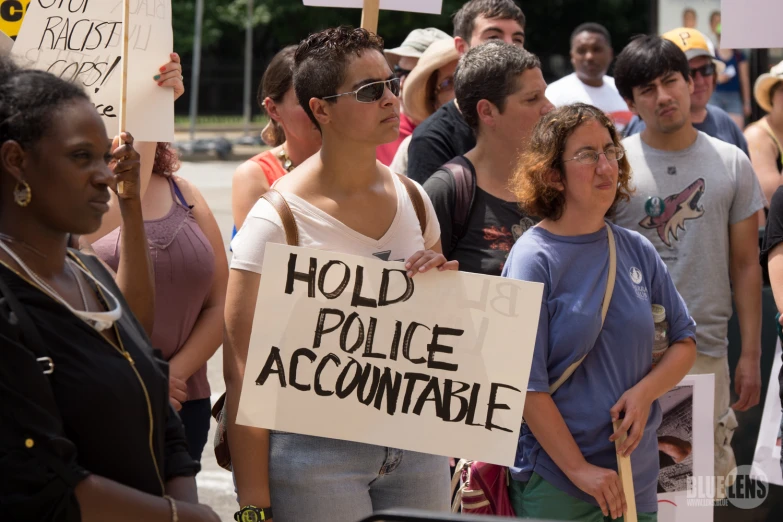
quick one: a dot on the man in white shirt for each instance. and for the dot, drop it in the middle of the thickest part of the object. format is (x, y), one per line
(591, 55)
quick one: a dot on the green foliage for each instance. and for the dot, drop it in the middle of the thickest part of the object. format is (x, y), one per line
(283, 22)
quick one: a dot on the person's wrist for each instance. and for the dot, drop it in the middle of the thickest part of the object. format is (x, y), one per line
(751, 353)
(173, 506)
(251, 513)
(575, 467)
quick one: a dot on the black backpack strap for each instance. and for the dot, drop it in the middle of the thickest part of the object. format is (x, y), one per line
(17, 317)
(465, 185)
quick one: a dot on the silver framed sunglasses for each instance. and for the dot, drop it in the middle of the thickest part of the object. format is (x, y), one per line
(590, 157)
(371, 92)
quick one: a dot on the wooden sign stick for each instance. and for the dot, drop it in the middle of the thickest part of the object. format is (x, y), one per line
(370, 15)
(626, 477)
(124, 84)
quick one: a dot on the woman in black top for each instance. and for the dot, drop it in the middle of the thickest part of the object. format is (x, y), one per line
(87, 430)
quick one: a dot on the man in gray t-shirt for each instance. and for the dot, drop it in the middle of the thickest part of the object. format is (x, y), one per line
(696, 200)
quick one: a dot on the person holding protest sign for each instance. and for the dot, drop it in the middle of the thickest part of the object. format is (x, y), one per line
(573, 175)
(290, 133)
(341, 200)
(500, 91)
(190, 273)
(88, 432)
(135, 280)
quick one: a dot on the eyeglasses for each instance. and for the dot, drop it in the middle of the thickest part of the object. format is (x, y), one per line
(372, 92)
(704, 70)
(446, 85)
(590, 157)
(399, 72)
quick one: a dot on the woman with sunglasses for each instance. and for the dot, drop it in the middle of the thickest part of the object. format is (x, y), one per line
(573, 175)
(342, 200)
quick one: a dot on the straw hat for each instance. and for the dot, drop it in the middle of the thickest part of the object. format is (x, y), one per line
(764, 84)
(414, 92)
(414, 44)
(694, 44)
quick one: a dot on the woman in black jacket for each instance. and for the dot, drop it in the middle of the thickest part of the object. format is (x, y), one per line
(87, 429)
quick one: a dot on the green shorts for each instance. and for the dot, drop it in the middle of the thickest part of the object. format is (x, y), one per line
(539, 499)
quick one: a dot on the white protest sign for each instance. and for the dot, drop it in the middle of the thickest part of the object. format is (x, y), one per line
(81, 41)
(686, 442)
(348, 347)
(751, 24)
(766, 460)
(413, 6)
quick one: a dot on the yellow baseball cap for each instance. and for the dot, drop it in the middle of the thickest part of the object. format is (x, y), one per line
(693, 43)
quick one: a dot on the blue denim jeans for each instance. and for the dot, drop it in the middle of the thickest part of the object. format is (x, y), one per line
(328, 480)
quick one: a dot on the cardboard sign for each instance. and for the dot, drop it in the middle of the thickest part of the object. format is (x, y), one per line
(81, 41)
(413, 6)
(766, 460)
(350, 348)
(685, 444)
(751, 24)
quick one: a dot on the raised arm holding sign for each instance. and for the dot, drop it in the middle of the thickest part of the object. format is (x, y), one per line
(85, 43)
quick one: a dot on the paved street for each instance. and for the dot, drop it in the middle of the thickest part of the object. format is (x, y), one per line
(215, 485)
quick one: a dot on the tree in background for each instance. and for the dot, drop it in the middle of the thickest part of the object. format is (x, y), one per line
(278, 23)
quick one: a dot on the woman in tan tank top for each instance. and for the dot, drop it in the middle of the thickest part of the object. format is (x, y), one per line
(765, 137)
(189, 271)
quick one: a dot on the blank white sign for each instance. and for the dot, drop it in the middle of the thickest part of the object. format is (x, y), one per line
(751, 24)
(413, 6)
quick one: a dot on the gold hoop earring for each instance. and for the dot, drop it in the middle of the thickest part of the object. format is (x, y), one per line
(22, 194)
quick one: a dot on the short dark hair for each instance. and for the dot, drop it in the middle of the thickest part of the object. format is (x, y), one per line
(490, 72)
(688, 10)
(646, 58)
(592, 27)
(277, 79)
(465, 18)
(320, 62)
(714, 15)
(28, 100)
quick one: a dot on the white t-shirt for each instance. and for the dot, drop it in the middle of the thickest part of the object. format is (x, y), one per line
(319, 230)
(571, 89)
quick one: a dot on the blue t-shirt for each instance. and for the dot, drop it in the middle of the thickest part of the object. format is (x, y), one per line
(717, 124)
(574, 271)
(732, 69)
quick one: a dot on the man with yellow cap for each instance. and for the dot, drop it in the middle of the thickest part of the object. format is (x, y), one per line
(705, 68)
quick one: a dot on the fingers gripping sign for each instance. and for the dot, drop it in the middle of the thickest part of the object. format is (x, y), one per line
(126, 165)
(424, 260)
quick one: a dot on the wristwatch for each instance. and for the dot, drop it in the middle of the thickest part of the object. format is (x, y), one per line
(253, 514)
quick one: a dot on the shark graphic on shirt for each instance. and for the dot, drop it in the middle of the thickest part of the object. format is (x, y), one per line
(677, 209)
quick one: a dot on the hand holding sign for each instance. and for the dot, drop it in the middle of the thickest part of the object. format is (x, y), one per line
(126, 165)
(437, 363)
